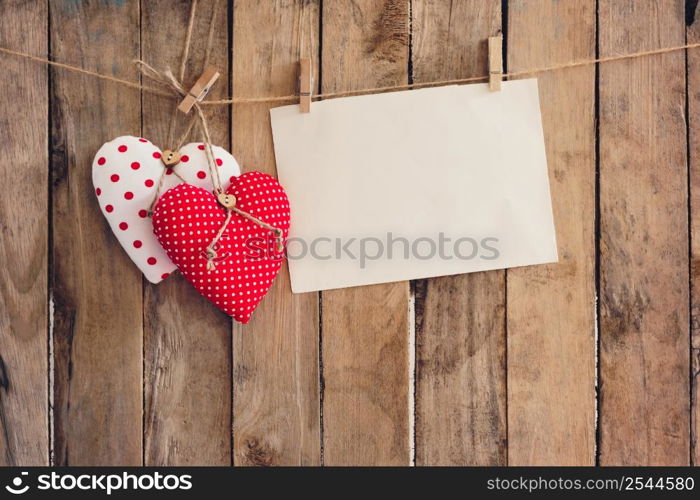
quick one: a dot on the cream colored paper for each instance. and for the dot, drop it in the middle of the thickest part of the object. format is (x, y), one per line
(384, 168)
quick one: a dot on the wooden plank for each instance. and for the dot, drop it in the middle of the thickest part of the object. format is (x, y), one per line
(187, 341)
(24, 438)
(644, 405)
(365, 329)
(551, 308)
(693, 63)
(460, 320)
(695, 409)
(275, 375)
(96, 288)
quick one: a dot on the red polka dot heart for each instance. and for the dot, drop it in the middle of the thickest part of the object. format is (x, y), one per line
(126, 172)
(186, 220)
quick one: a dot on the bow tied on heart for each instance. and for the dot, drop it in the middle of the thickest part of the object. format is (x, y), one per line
(189, 208)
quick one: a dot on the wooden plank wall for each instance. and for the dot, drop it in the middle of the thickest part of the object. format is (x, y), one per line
(97, 366)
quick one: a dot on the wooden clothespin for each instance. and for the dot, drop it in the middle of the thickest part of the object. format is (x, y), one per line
(305, 85)
(199, 89)
(495, 62)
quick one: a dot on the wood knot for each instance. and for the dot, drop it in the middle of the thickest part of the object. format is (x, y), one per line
(258, 454)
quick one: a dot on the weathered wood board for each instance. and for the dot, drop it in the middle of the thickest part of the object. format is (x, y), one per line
(276, 407)
(551, 308)
(460, 320)
(693, 65)
(365, 329)
(96, 290)
(187, 341)
(644, 296)
(24, 206)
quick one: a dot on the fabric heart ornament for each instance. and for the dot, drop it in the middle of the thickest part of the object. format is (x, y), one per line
(248, 254)
(126, 173)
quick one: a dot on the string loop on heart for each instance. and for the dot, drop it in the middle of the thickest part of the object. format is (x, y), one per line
(279, 240)
(161, 180)
(211, 250)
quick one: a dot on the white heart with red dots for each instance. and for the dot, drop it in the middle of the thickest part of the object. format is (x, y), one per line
(126, 172)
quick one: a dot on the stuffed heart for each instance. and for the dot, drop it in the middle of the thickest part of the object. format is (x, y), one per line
(126, 172)
(186, 220)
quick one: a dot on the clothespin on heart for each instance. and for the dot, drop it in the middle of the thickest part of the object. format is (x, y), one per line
(200, 89)
(495, 62)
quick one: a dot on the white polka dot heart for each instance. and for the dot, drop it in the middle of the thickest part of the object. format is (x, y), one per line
(126, 173)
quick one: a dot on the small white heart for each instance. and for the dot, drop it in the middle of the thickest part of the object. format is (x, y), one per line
(126, 172)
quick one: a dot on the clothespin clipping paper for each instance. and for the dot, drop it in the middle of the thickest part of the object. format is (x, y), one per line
(305, 85)
(495, 62)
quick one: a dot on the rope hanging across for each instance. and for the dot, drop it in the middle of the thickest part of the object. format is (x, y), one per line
(373, 90)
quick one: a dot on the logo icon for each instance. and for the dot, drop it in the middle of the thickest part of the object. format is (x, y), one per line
(17, 482)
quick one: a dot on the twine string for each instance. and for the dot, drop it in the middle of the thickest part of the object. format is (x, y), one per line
(213, 171)
(369, 90)
(168, 80)
(174, 88)
(163, 79)
(175, 85)
(183, 65)
(188, 40)
(210, 251)
(279, 243)
(161, 180)
(210, 37)
(181, 141)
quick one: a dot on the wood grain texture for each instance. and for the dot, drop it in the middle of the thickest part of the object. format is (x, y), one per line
(108, 325)
(187, 341)
(24, 438)
(460, 320)
(551, 308)
(695, 409)
(365, 329)
(276, 414)
(693, 65)
(644, 395)
(460, 370)
(96, 288)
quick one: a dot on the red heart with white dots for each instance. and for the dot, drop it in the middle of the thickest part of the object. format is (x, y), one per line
(126, 172)
(186, 220)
